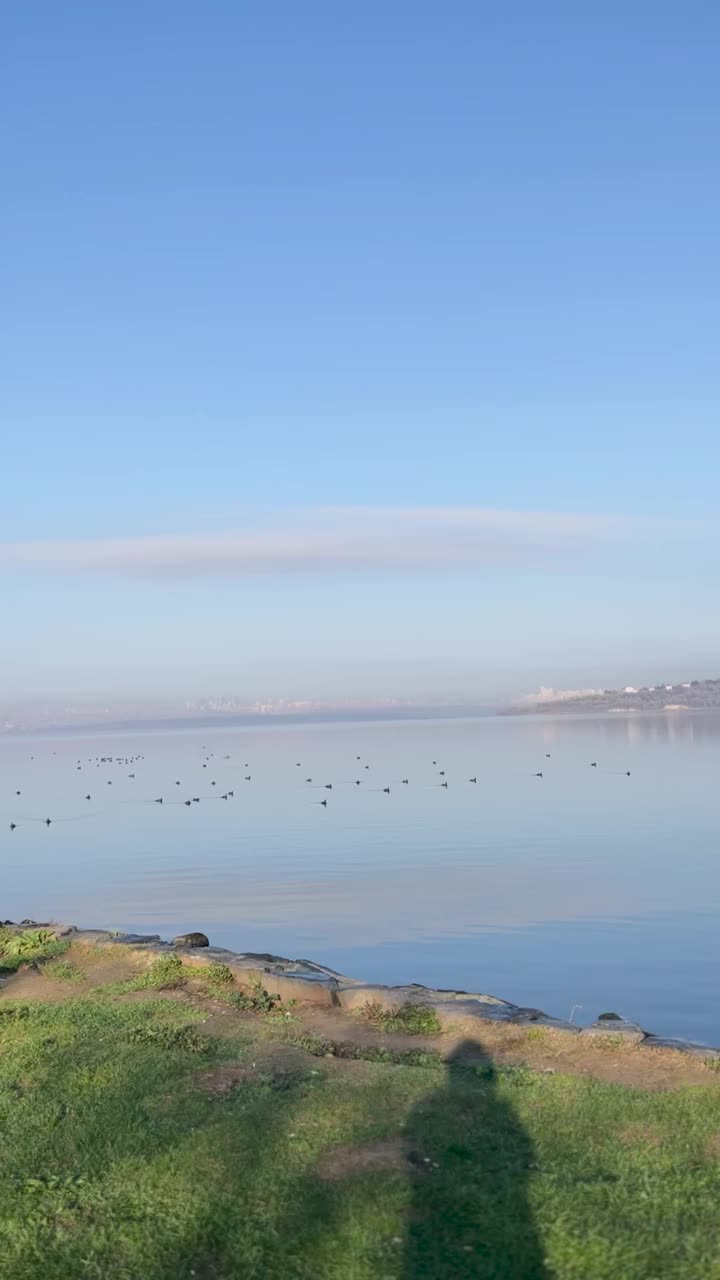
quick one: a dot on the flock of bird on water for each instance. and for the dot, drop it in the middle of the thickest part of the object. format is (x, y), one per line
(129, 761)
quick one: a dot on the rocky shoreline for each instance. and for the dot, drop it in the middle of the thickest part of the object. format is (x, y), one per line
(309, 983)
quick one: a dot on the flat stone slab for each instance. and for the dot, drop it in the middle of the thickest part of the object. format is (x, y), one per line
(604, 1028)
(684, 1046)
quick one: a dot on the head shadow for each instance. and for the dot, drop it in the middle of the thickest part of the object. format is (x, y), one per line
(471, 1217)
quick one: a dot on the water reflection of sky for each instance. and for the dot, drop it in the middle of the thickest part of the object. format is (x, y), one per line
(586, 886)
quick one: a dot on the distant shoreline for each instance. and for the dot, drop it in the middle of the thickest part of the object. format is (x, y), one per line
(564, 711)
(220, 721)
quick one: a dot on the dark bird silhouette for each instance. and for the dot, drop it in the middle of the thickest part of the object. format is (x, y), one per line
(308, 779)
(177, 782)
(249, 776)
(386, 791)
(627, 775)
(196, 799)
(593, 764)
(444, 784)
(538, 775)
(224, 797)
(323, 803)
(357, 757)
(188, 803)
(297, 766)
(131, 775)
(13, 826)
(213, 784)
(441, 773)
(159, 800)
(547, 755)
(328, 786)
(231, 793)
(405, 782)
(434, 761)
(367, 766)
(88, 797)
(17, 793)
(204, 766)
(472, 779)
(109, 782)
(48, 820)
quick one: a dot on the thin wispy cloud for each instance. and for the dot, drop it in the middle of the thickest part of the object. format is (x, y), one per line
(350, 539)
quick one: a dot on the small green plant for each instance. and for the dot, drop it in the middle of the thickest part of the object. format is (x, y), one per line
(218, 976)
(255, 1000)
(11, 1012)
(214, 978)
(314, 1044)
(165, 973)
(520, 1077)
(28, 946)
(163, 1036)
(63, 971)
(413, 1019)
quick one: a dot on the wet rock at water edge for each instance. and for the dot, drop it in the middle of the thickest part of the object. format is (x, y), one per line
(191, 940)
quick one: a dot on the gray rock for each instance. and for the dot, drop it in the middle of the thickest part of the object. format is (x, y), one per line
(684, 1046)
(191, 940)
(137, 939)
(628, 1032)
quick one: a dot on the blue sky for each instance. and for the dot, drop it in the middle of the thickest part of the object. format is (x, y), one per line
(269, 265)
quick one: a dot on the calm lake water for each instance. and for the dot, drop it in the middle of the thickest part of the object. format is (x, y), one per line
(586, 887)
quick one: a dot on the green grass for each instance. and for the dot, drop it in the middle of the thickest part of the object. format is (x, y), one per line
(412, 1019)
(117, 1165)
(214, 976)
(63, 971)
(321, 1047)
(167, 972)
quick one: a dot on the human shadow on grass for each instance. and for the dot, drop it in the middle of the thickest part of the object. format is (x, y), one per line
(471, 1218)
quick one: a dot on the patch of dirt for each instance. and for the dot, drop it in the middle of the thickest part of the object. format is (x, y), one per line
(712, 1150)
(639, 1134)
(153, 993)
(98, 966)
(281, 1065)
(633, 1065)
(106, 964)
(392, 1154)
(225, 1079)
(29, 983)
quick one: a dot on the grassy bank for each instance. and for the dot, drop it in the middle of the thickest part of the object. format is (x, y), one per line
(162, 1134)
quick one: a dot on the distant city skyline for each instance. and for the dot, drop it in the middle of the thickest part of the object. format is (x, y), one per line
(44, 714)
(359, 355)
